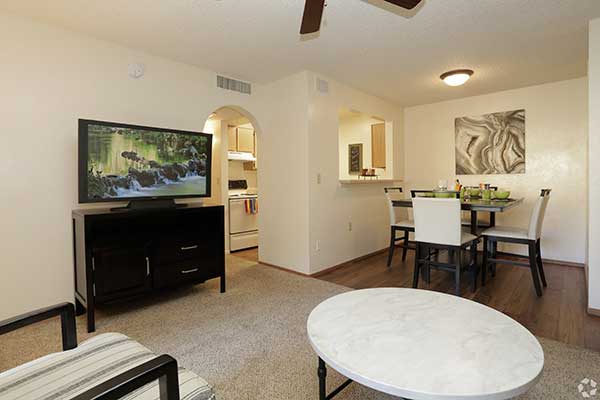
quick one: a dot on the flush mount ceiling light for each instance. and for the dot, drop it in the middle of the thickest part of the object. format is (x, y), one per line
(456, 77)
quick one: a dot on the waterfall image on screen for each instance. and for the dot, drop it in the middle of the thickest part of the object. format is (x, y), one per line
(130, 162)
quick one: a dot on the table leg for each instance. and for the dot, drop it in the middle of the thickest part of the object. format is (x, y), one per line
(474, 223)
(492, 219)
(322, 372)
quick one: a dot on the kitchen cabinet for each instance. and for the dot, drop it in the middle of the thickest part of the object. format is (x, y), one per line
(241, 139)
(378, 145)
(245, 140)
(232, 141)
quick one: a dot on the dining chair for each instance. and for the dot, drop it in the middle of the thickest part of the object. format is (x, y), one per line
(531, 237)
(398, 222)
(438, 226)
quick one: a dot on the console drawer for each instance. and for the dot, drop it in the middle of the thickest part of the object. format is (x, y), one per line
(175, 249)
(179, 272)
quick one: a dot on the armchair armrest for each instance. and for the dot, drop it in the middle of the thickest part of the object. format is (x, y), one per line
(163, 368)
(67, 322)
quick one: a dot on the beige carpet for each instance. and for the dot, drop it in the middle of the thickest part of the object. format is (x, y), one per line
(251, 343)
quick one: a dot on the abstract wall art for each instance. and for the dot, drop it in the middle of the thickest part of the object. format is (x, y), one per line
(490, 143)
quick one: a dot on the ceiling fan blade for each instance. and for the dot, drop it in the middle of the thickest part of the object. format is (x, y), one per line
(408, 4)
(311, 20)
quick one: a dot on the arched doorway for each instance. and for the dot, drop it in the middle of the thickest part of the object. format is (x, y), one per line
(235, 146)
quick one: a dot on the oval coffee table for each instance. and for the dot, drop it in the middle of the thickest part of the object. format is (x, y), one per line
(423, 345)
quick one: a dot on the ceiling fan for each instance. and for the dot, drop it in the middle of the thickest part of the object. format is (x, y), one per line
(313, 12)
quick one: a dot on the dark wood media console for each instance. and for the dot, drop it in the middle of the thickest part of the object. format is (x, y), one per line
(121, 254)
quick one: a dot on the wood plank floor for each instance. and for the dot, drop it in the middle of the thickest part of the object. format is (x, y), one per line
(560, 314)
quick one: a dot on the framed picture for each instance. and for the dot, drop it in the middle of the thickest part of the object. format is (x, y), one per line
(491, 143)
(355, 158)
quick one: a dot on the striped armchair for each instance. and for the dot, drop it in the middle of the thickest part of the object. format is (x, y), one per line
(108, 366)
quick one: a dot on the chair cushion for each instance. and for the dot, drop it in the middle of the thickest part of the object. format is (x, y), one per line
(506, 231)
(405, 224)
(63, 375)
(466, 237)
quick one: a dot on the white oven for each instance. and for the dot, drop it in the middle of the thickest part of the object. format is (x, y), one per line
(243, 217)
(243, 224)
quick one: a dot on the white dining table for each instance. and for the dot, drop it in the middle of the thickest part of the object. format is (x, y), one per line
(423, 345)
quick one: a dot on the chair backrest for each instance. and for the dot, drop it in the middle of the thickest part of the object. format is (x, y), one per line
(421, 193)
(393, 193)
(537, 215)
(437, 221)
(433, 193)
(396, 189)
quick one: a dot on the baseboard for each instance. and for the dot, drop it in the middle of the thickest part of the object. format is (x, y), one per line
(318, 274)
(593, 311)
(346, 263)
(360, 258)
(544, 260)
(283, 268)
(563, 263)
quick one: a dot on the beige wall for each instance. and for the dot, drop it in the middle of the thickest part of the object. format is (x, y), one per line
(556, 156)
(594, 167)
(333, 206)
(51, 77)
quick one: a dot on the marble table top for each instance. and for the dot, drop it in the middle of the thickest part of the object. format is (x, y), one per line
(425, 345)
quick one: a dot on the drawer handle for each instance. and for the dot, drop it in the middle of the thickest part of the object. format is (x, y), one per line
(189, 271)
(147, 266)
(190, 247)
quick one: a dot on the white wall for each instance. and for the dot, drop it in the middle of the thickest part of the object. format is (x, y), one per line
(50, 77)
(283, 177)
(556, 156)
(594, 168)
(357, 129)
(333, 206)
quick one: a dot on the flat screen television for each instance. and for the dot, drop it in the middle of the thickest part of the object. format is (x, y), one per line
(129, 162)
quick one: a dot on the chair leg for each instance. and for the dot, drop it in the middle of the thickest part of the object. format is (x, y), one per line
(405, 243)
(534, 268)
(494, 248)
(427, 267)
(392, 246)
(474, 265)
(484, 262)
(417, 265)
(458, 271)
(539, 262)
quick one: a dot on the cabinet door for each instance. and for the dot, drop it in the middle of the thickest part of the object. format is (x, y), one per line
(232, 138)
(121, 269)
(245, 138)
(378, 145)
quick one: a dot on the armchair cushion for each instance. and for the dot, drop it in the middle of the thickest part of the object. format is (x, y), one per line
(61, 376)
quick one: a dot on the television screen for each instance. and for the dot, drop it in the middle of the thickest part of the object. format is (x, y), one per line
(124, 162)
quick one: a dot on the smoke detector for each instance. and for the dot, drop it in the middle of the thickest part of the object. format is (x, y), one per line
(136, 71)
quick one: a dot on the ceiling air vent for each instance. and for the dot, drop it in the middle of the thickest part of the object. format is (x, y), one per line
(235, 85)
(322, 85)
